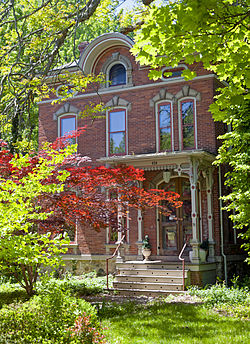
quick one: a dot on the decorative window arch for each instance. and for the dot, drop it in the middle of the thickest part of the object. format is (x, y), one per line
(176, 71)
(66, 118)
(117, 60)
(187, 117)
(116, 126)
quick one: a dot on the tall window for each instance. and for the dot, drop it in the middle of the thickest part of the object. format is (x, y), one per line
(187, 124)
(117, 131)
(67, 125)
(117, 75)
(164, 122)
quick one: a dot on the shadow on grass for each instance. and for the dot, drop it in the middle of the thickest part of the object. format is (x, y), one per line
(171, 323)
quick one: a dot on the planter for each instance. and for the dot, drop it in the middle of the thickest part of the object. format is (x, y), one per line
(146, 253)
(203, 256)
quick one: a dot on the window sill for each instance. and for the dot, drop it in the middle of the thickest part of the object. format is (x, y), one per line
(71, 245)
(113, 245)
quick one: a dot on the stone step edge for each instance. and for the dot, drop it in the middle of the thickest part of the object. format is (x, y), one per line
(138, 269)
(147, 291)
(147, 283)
(150, 276)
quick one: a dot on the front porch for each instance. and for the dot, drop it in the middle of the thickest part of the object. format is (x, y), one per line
(190, 174)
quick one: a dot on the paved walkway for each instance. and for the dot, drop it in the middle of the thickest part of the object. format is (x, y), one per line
(185, 298)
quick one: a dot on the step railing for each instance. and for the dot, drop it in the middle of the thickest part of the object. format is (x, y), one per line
(183, 265)
(113, 255)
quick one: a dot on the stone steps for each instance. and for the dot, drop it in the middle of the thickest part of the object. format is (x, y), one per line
(150, 278)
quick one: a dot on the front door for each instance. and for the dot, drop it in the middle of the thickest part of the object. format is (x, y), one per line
(176, 228)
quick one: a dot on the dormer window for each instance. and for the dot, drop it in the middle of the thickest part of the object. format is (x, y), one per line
(117, 75)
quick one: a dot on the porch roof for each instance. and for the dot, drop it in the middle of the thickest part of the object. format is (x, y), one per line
(158, 161)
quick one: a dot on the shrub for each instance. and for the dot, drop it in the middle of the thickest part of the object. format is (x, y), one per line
(221, 294)
(47, 318)
(84, 332)
(87, 284)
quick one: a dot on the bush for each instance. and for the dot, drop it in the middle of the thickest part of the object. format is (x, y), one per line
(88, 284)
(221, 294)
(50, 317)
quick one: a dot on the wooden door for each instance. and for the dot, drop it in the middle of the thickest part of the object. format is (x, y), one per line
(177, 227)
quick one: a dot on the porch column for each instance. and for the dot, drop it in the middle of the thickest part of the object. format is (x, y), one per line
(139, 224)
(119, 220)
(209, 185)
(193, 176)
(139, 228)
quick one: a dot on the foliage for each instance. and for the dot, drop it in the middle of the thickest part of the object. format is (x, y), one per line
(50, 317)
(186, 323)
(22, 181)
(215, 33)
(33, 34)
(42, 194)
(87, 284)
(235, 151)
(146, 243)
(232, 301)
(220, 294)
(10, 293)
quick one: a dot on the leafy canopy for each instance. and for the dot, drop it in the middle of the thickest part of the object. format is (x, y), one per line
(215, 33)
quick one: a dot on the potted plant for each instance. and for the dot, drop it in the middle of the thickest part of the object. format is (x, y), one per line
(146, 248)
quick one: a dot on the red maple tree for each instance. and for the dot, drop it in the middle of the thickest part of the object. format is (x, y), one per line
(92, 195)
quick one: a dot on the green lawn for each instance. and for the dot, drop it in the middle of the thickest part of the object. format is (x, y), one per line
(172, 324)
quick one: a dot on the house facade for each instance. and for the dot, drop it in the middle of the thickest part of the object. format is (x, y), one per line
(165, 128)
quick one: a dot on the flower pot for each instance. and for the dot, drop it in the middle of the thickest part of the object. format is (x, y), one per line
(146, 253)
(203, 256)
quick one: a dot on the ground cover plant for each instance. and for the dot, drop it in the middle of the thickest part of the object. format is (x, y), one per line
(84, 285)
(232, 301)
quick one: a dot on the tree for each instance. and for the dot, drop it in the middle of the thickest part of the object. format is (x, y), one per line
(41, 194)
(215, 33)
(35, 37)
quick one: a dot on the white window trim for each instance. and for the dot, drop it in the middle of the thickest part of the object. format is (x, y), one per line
(180, 122)
(157, 124)
(126, 128)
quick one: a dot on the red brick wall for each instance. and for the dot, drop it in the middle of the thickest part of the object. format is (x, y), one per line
(141, 139)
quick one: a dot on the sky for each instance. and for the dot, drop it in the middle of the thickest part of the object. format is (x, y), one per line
(128, 4)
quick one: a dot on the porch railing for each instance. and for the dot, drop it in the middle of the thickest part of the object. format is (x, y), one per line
(183, 265)
(113, 255)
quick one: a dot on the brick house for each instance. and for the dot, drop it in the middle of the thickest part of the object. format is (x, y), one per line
(166, 129)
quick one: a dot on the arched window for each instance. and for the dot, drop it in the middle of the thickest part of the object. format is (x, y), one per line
(117, 75)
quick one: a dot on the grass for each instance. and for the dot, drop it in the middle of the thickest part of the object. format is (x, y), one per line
(167, 323)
